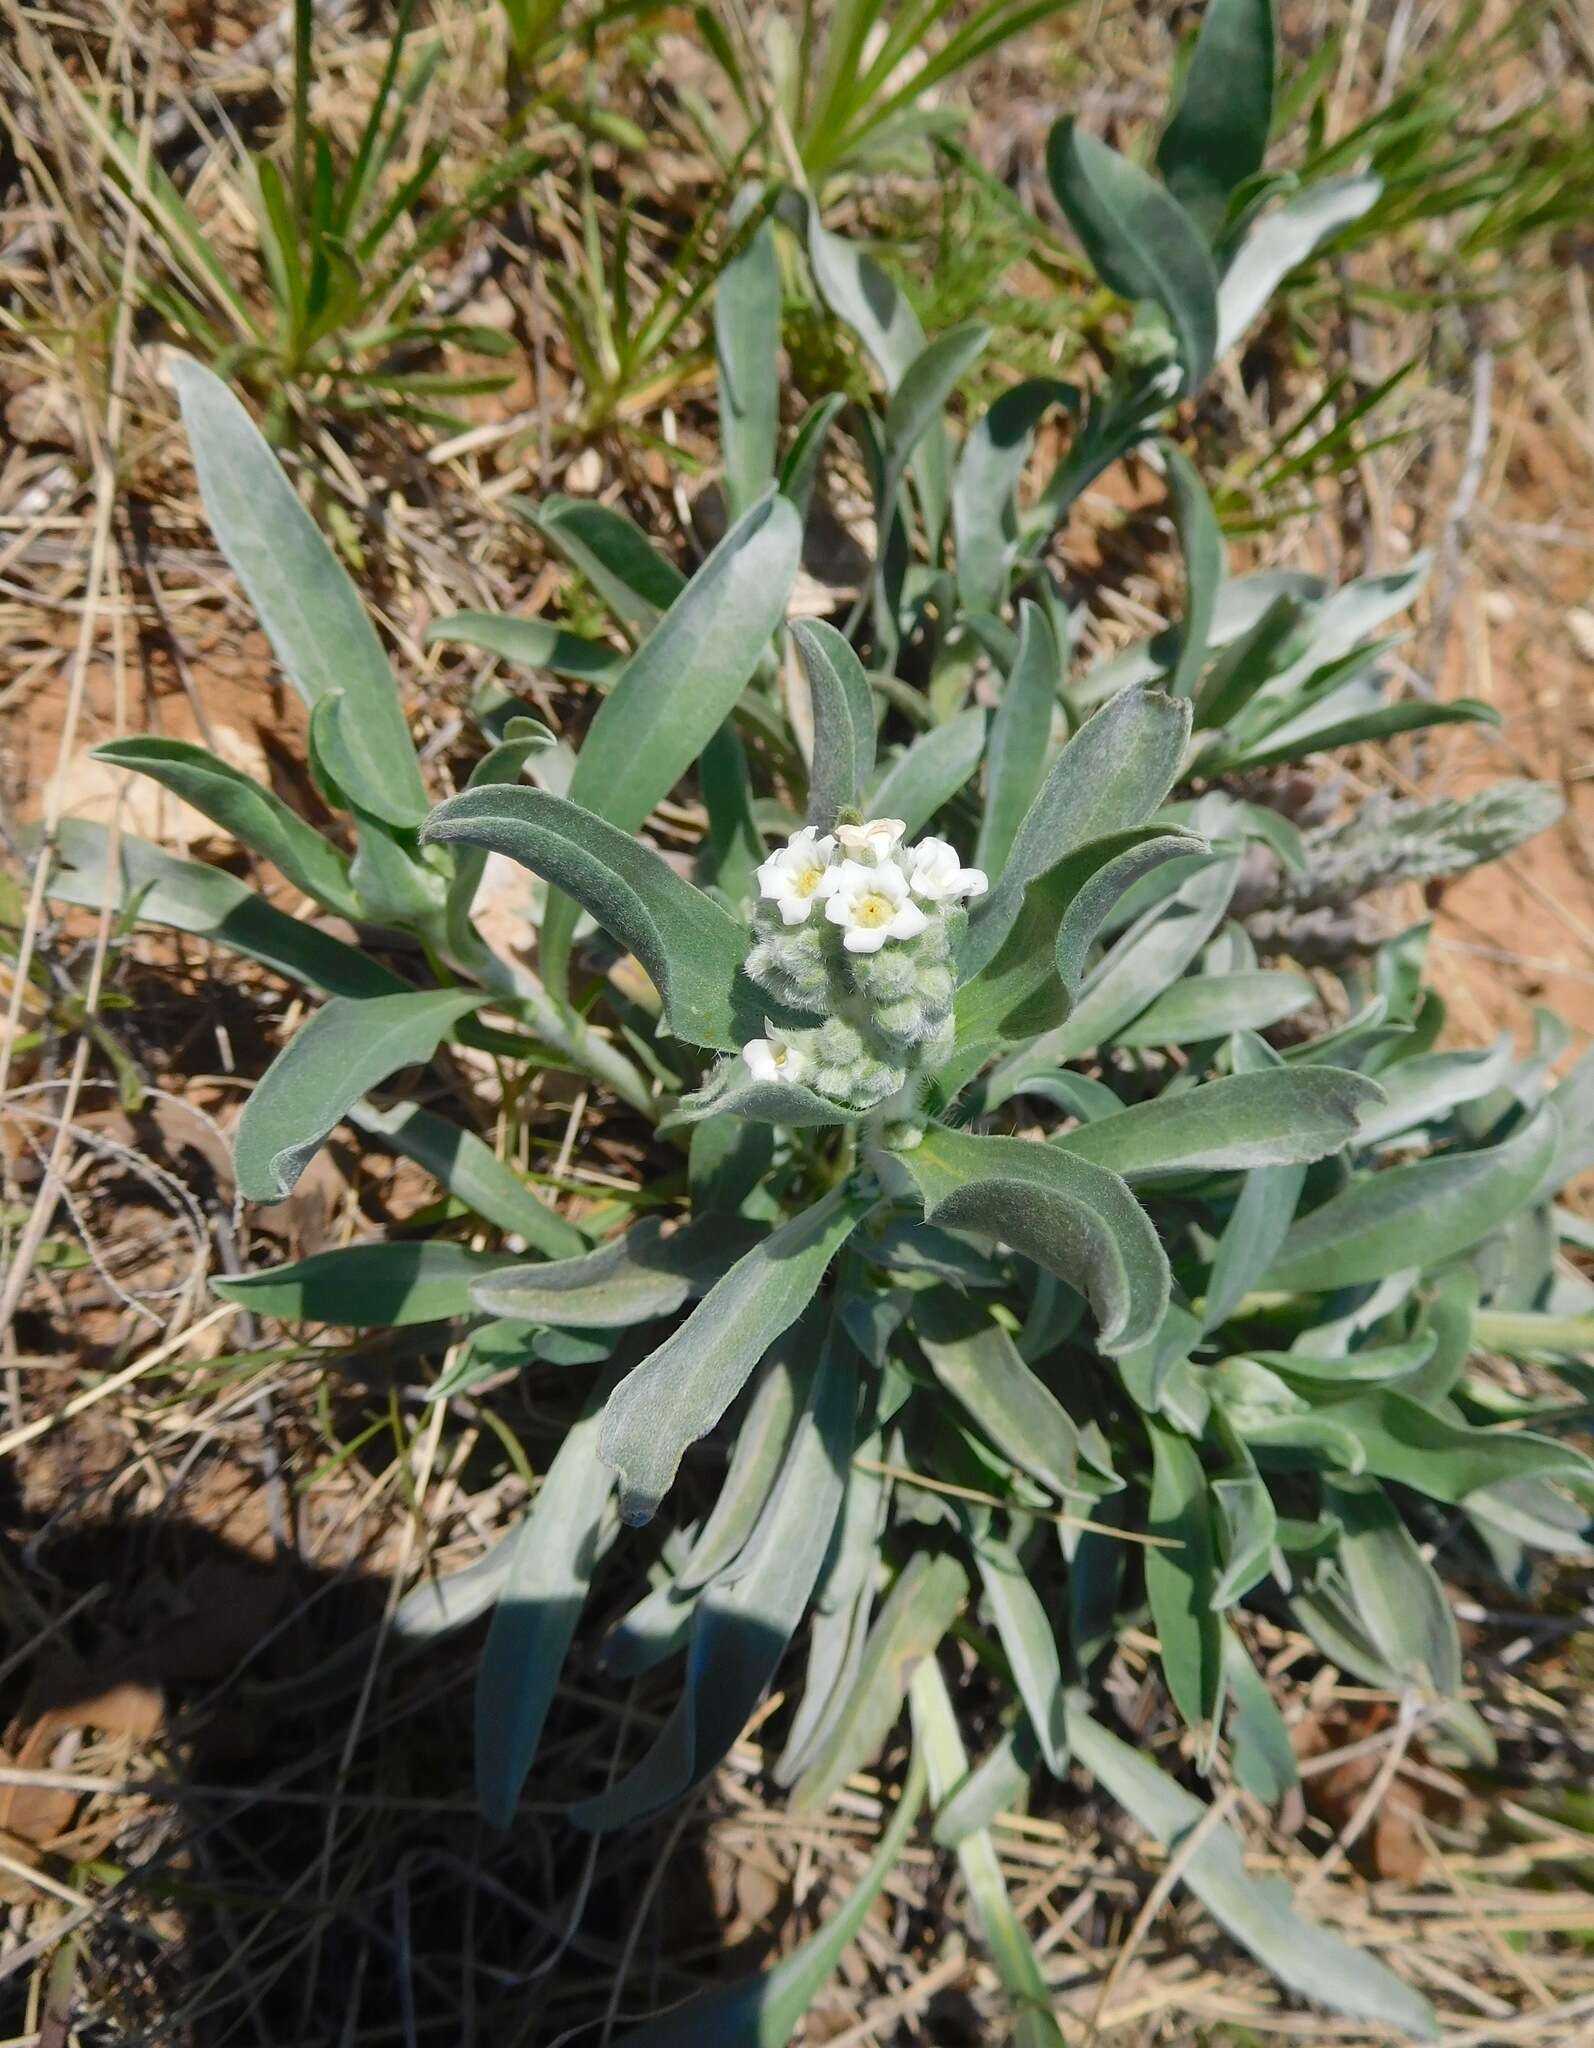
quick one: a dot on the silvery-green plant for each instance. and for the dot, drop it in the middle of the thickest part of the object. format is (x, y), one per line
(1204, 1339)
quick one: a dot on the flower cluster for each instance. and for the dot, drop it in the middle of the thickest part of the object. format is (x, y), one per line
(876, 965)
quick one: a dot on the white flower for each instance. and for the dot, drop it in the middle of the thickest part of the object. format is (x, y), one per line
(871, 905)
(936, 876)
(875, 840)
(774, 1058)
(796, 877)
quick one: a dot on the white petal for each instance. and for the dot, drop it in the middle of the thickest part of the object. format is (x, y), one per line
(795, 909)
(838, 908)
(760, 1057)
(863, 939)
(973, 882)
(909, 921)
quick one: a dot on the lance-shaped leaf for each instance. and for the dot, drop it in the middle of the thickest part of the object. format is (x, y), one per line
(1259, 1736)
(472, 1172)
(858, 291)
(1020, 737)
(368, 1286)
(187, 896)
(916, 1614)
(997, 1784)
(799, 469)
(1416, 1215)
(1398, 1438)
(1397, 1597)
(1013, 1957)
(1257, 1226)
(255, 817)
(1140, 239)
(692, 949)
(1116, 865)
(1428, 1086)
(530, 643)
(984, 519)
(1030, 1644)
(914, 413)
(1278, 1118)
(612, 552)
(682, 1390)
(980, 1366)
(1204, 1006)
(773, 1408)
(759, 2012)
(679, 688)
(745, 1619)
(1111, 777)
(1217, 137)
(1075, 1219)
(1279, 241)
(1196, 524)
(1152, 953)
(1256, 1911)
(844, 725)
(305, 601)
(538, 1606)
(746, 360)
(1180, 1580)
(638, 1278)
(347, 1048)
(734, 1090)
(1245, 1517)
(930, 771)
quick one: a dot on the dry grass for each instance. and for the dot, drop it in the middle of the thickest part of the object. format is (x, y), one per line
(235, 1788)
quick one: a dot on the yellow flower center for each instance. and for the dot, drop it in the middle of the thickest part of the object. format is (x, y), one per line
(873, 910)
(807, 880)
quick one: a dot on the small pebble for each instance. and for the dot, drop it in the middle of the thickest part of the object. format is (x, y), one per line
(1580, 624)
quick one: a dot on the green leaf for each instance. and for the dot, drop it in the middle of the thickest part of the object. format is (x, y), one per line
(919, 397)
(538, 1607)
(1265, 650)
(501, 764)
(1279, 242)
(733, 1090)
(779, 1394)
(930, 772)
(691, 948)
(1031, 981)
(980, 1367)
(1217, 137)
(347, 1048)
(1154, 952)
(1110, 778)
(1326, 728)
(1257, 1226)
(639, 1277)
(1196, 524)
(678, 689)
(1020, 738)
(303, 597)
(612, 552)
(1180, 1582)
(1264, 1760)
(858, 291)
(1416, 1215)
(745, 1618)
(918, 1611)
(472, 1172)
(187, 896)
(1140, 239)
(844, 722)
(984, 517)
(368, 1286)
(678, 1393)
(799, 471)
(1256, 1911)
(1030, 1646)
(998, 1783)
(1206, 1006)
(935, 1732)
(1279, 1118)
(1396, 1595)
(746, 357)
(1401, 1440)
(763, 2011)
(1075, 1219)
(530, 643)
(255, 817)
(1246, 1519)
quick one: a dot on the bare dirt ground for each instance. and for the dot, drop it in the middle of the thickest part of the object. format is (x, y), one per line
(235, 1780)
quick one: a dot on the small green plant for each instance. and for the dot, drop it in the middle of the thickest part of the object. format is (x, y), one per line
(1203, 1340)
(341, 253)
